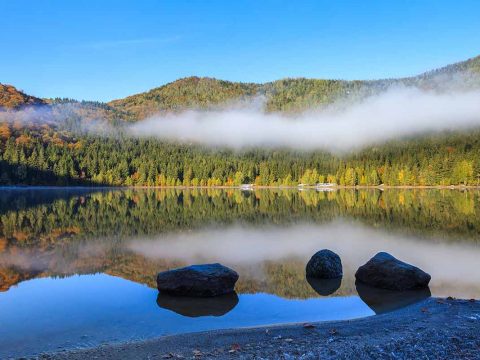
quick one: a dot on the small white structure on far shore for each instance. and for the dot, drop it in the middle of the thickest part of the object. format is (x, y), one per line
(246, 187)
(322, 185)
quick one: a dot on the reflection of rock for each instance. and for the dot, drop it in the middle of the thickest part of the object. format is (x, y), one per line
(324, 264)
(381, 300)
(198, 306)
(325, 286)
(386, 272)
(198, 280)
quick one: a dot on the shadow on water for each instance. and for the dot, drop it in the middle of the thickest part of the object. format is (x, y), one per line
(382, 301)
(324, 287)
(23, 187)
(23, 199)
(17, 174)
(196, 307)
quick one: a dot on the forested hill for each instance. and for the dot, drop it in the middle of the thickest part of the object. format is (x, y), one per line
(192, 92)
(11, 98)
(286, 95)
(44, 152)
(283, 95)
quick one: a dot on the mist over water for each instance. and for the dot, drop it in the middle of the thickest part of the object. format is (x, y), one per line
(453, 266)
(397, 113)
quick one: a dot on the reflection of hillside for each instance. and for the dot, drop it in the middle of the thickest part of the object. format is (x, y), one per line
(17, 199)
(284, 278)
(11, 276)
(85, 233)
(148, 212)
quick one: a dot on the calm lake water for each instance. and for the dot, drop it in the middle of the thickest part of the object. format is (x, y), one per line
(78, 267)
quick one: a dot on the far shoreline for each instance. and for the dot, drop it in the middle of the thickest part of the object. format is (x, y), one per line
(253, 188)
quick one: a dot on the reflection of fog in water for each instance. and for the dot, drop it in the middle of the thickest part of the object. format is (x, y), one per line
(453, 266)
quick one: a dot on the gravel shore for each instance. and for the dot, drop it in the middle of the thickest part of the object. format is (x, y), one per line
(432, 329)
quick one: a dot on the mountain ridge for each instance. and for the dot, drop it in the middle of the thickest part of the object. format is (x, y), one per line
(288, 94)
(283, 95)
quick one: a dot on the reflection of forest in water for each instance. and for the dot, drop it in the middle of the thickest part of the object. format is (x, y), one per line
(66, 232)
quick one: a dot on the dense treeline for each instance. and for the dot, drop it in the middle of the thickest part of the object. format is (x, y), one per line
(52, 157)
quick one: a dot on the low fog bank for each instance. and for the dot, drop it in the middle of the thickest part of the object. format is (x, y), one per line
(452, 265)
(353, 122)
(64, 116)
(399, 112)
(32, 115)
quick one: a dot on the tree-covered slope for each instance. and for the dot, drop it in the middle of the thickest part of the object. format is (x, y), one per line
(286, 95)
(39, 151)
(12, 98)
(300, 94)
(290, 95)
(187, 93)
(471, 65)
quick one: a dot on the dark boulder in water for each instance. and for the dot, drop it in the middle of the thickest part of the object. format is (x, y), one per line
(382, 300)
(324, 287)
(386, 272)
(198, 280)
(324, 264)
(198, 306)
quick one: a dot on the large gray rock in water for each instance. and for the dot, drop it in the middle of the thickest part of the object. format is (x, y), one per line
(386, 272)
(324, 264)
(198, 280)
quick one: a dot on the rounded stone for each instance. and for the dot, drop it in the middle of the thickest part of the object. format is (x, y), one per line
(324, 264)
(386, 272)
(198, 280)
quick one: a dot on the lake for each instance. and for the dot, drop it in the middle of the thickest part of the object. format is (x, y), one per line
(78, 266)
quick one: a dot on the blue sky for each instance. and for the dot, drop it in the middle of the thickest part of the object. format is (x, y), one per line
(104, 49)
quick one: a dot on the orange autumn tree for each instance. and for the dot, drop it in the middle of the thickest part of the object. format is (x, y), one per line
(5, 131)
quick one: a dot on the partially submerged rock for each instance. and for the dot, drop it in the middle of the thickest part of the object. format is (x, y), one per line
(386, 272)
(324, 264)
(198, 280)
